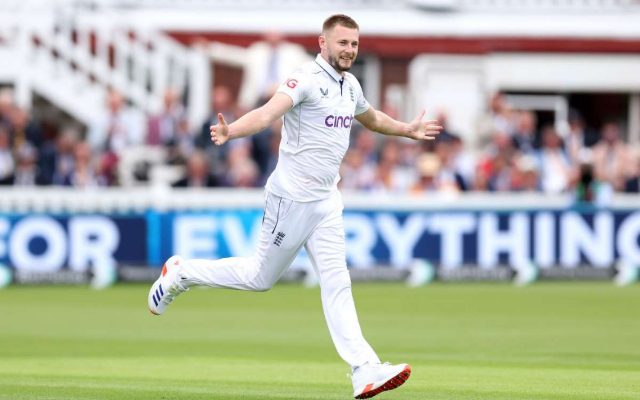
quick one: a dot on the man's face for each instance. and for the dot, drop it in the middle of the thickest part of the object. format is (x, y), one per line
(339, 46)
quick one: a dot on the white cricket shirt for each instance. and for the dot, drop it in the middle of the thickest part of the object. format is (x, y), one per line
(315, 132)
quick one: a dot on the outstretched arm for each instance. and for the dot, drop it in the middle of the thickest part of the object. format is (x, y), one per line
(252, 122)
(417, 129)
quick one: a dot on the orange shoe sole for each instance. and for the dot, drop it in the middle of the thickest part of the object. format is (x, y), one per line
(391, 384)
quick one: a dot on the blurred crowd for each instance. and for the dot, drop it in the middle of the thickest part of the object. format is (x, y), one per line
(514, 155)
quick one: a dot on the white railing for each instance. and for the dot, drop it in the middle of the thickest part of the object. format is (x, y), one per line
(138, 199)
(73, 59)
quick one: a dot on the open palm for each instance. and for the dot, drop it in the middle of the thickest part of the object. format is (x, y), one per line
(220, 131)
(423, 130)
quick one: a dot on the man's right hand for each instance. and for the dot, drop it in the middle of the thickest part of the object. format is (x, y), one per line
(219, 131)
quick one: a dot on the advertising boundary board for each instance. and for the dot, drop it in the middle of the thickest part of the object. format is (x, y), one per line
(461, 244)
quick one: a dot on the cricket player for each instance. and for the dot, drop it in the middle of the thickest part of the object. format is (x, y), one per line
(303, 206)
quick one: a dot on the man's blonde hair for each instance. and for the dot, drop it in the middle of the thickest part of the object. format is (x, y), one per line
(339, 19)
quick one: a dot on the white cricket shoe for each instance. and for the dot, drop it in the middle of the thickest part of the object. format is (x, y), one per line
(372, 379)
(165, 289)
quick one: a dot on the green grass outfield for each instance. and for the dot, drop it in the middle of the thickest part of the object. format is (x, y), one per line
(465, 341)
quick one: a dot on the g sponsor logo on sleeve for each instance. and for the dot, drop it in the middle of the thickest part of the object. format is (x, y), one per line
(291, 83)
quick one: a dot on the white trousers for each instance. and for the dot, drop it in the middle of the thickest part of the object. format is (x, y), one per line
(287, 226)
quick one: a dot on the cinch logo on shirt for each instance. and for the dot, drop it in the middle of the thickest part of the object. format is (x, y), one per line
(338, 121)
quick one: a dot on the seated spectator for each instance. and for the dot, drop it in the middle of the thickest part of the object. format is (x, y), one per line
(83, 174)
(502, 173)
(222, 101)
(449, 177)
(197, 173)
(182, 145)
(25, 129)
(274, 146)
(443, 120)
(391, 177)
(463, 162)
(428, 167)
(494, 169)
(57, 162)
(355, 172)
(244, 174)
(27, 172)
(366, 144)
(7, 164)
(162, 128)
(6, 107)
(242, 170)
(526, 176)
(262, 149)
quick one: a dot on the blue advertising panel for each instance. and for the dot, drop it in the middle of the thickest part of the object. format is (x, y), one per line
(47, 243)
(450, 239)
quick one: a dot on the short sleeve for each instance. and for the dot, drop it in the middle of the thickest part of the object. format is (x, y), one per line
(296, 87)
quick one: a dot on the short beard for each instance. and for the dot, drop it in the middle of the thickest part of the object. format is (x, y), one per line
(335, 63)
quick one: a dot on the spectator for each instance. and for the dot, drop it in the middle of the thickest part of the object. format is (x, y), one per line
(494, 171)
(267, 64)
(6, 107)
(366, 144)
(197, 173)
(7, 164)
(443, 120)
(391, 177)
(463, 163)
(83, 174)
(557, 175)
(57, 162)
(221, 102)
(449, 178)
(499, 118)
(355, 172)
(163, 127)
(182, 145)
(428, 167)
(525, 135)
(118, 128)
(526, 176)
(242, 170)
(611, 158)
(25, 129)
(579, 139)
(245, 174)
(274, 146)
(502, 173)
(264, 151)
(27, 172)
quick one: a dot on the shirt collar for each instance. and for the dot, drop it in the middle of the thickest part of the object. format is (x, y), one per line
(328, 68)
